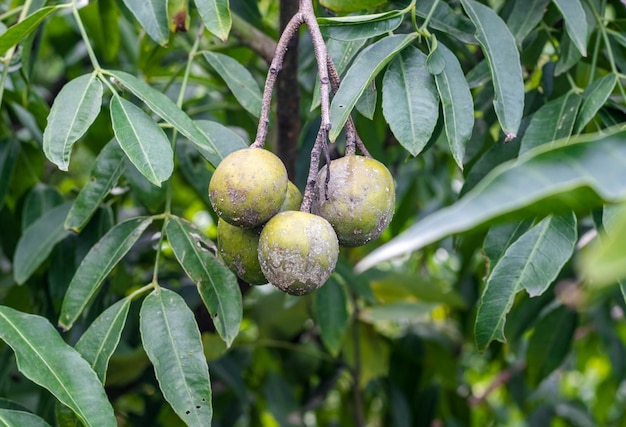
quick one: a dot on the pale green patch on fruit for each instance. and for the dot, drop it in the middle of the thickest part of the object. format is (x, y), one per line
(238, 248)
(358, 201)
(248, 187)
(298, 251)
(293, 200)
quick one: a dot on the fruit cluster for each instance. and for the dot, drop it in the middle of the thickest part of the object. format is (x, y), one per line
(263, 237)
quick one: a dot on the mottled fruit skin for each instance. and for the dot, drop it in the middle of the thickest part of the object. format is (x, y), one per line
(360, 199)
(248, 187)
(238, 248)
(298, 251)
(293, 199)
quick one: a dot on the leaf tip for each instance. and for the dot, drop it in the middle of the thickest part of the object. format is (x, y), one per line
(509, 136)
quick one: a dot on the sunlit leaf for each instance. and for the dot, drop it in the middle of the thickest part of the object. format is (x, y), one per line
(216, 283)
(604, 261)
(457, 102)
(360, 30)
(239, 81)
(410, 100)
(216, 16)
(532, 262)
(108, 167)
(171, 339)
(72, 113)
(37, 242)
(97, 265)
(152, 15)
(143, 141)
(553, 121)
(365, 67)
(44, 358)
(577, 175)
(504, 63)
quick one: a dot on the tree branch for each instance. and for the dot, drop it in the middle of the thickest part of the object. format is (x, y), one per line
(256, 40)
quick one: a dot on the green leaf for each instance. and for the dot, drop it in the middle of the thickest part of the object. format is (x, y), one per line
(330, 310)
(500, 237)
(97, 265)
(550, 344)
(604, 262)
(19, 31)
(108, 167)
(457, 102)
(152, 15)
(9, 152)
(143, 141)
(100, 340)
(341, 53)
(13, 418)
(40, 200)
(74, 110)
(568, 56)
(216, 17)
(347, 6)
(532, 262)
(445, 19)
(38, 241)
(44, 358)
(365, 67)
(164, 108)
(216, 283)
(504, 63)
(579, 175)
(238, 79)
(171, 339)
(575, 22)
(366, 104)
(226, 141)
(553, 121)
(410, 100)
(594, 97)
(360, 30)
(524, 18)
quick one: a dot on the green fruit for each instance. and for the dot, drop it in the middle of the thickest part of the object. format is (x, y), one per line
(358, 201)
(248, 187)
(238, 248)
(293, 199)
(298, 251)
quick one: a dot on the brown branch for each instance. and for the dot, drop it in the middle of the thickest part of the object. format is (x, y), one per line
(258, 41)
(281, 47)
(307, 199)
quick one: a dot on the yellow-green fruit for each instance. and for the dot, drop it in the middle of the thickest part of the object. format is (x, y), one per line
(298, 251)
(248, 187)
(358, 201)
(238, 248)
(293, 199)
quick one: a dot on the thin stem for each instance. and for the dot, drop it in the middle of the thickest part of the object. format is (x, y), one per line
(307, 199)
(353, 140)
(9, 56)
(429, 16)
(141, 290)
(281, 47)
(321, 55)
(79, 22)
